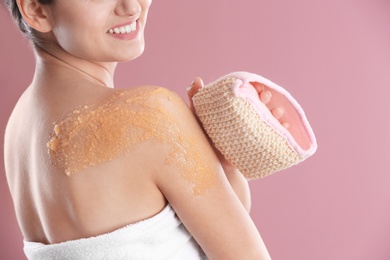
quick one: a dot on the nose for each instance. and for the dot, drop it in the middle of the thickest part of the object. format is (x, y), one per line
(128, 8)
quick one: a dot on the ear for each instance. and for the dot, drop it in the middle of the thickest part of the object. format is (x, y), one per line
(35, 15)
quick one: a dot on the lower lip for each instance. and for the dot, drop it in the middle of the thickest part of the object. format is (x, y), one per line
(126, 36)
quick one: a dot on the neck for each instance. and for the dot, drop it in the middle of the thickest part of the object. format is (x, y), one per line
(99, 73)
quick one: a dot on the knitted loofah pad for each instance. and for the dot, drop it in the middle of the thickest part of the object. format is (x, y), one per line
(248, 135)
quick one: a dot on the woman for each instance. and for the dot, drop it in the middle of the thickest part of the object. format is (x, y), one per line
(84, 160)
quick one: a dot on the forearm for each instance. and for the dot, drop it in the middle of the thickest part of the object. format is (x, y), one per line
(239, 184)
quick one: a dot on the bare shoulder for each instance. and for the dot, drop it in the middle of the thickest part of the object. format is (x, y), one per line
(157, 96)
(14, 136)
(154, 107)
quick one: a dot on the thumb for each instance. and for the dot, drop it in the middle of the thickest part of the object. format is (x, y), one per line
(193, 89)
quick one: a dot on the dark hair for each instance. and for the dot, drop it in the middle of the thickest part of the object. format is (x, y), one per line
(29, 32)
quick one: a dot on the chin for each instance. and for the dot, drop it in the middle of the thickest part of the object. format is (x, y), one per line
(131, 55)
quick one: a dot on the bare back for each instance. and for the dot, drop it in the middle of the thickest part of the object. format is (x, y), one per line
(53, 206)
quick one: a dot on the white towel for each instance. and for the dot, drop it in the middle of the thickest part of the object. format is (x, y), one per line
(162, 236)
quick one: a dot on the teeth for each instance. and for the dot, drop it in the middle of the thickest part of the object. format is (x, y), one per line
(133, 26)
(128, 29)
(124, 29)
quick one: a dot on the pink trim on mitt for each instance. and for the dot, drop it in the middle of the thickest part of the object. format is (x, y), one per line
(243, 89)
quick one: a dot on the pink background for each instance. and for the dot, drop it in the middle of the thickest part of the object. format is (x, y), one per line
(333, 56)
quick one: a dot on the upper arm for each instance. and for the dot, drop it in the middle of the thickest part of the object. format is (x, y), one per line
(192, 180)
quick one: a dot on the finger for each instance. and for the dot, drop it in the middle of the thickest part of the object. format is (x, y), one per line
(259, 87)
(286, 125)
(193, 89)
(265, 96)
(277, 112)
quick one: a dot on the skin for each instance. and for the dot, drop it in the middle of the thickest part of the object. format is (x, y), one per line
(76, 70)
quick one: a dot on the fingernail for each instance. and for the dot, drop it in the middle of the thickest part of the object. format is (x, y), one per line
(265, 96)
(190, 86)
(278, 112)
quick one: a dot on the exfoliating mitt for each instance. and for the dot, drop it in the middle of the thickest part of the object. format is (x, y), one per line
(244, 130)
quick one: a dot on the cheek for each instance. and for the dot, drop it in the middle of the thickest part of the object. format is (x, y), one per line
(145, 5)
(79, 38)
(78, 28)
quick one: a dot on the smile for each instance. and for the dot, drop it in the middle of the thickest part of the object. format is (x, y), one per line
(124, 29)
